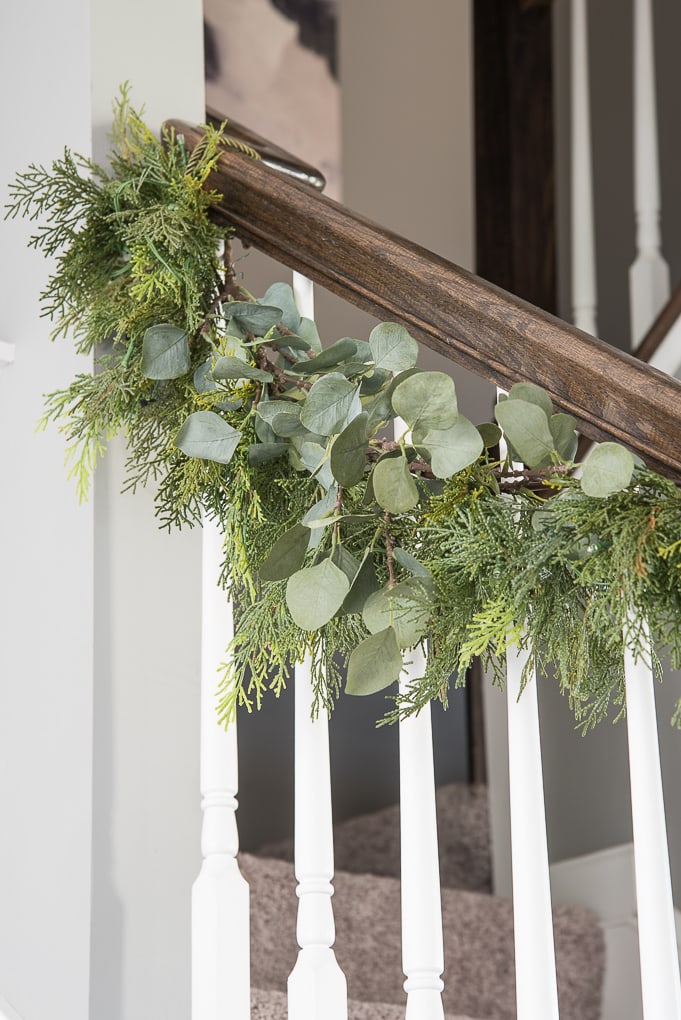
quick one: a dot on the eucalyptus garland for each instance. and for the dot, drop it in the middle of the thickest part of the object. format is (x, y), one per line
(362, 513)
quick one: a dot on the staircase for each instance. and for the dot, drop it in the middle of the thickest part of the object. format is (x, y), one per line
(478, 927)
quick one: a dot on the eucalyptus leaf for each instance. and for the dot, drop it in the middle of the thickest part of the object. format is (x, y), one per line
(533, 395)
(410, 563)
(564, 431)
(346, 562)
(165, 352)
(208, 436)
(264, 431)
(287, 425)
(268, 410)
(307, 331)
(281, 296)
(229, 367)
(608, 468)
(348, 453)
(364, 584)
(328, 404)
(373, 381)
(403, 607)
(454, 448)
(203, 383)
(321, 509)
(527, 428)
(262, 453)
(253, 317)
(392, 347)
(287, 555)
(394, 488)
(374, 664)
(329, 358)
(491, 434)
(427, 399)
(315, 594)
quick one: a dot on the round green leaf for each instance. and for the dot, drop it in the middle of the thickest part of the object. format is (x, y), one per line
(374, 664)
(307, 331)
(328, 404)
(281, 296)
(364, 584)
(392, 347)
(315, 518)
(348, 453)
(329, 358)
(411, 564)
(262, 453)
(564, 431)
(527, 428)
(404, 607)
(533, 395)
(608, 469)
(252, 316)
(393, 486)
(426, 400)
(453, 449)
(314, 595)
(286, 555)
(230, 367)
(208, 436)
(165, 352)
(491, 433)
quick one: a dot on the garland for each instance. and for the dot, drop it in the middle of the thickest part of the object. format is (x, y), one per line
(338, 541)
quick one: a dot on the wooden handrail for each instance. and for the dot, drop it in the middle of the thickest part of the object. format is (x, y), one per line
(471, 322)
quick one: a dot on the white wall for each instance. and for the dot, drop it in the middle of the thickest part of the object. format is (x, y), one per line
(46, 561)
(146, 694)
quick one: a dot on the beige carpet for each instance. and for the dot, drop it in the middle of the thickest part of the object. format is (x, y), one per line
(272, 1006)
(370, 844)
(479, 965)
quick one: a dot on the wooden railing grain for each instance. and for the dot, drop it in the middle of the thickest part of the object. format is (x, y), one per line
(471, 322)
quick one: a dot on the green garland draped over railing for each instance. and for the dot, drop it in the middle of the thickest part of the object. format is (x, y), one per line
(361, 512)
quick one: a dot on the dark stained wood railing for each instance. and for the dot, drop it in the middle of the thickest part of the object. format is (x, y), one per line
(471, 322)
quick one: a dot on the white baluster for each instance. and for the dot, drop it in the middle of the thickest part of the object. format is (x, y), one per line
(582, 212)
(656, 930)
(317, 989)
(220, 897)
(649, 274)
(422, 945)
(535, 961)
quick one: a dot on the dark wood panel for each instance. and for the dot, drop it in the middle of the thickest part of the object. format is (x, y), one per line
(514, 149)
(474, 323)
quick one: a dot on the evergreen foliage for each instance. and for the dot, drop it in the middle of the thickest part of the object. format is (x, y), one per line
(339, 542)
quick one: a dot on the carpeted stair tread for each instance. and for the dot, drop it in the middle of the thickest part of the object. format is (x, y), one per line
(479, 956)
(272, 1006)
(370, 844)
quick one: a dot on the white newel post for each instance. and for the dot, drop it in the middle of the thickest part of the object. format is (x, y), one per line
(422, 943)
(535, 960)
(582, 213)
(649, 274)
(656, 930)
(220, 898)
(317, 989)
